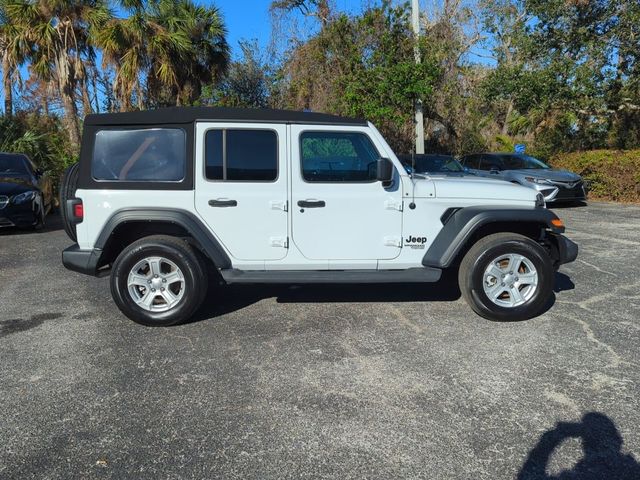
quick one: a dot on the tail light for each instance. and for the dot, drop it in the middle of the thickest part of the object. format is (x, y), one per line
(78, 211)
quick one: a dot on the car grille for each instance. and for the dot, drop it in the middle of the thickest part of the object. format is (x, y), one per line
(3, 201)
(569, 190)
(577, 183)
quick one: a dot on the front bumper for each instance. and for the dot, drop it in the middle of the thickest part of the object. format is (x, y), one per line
(576, 193)
(23, 215)
(557, 192)
(82, 261)
(566, 251)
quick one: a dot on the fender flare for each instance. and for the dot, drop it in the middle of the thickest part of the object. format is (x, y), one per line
(462, 224)
(183, 218)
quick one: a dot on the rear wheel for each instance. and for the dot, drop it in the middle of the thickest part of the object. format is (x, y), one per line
(158, 281)
(68, 187)
(506, 276)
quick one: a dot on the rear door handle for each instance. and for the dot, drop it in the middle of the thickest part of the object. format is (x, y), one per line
(223, 203)
(311, 203)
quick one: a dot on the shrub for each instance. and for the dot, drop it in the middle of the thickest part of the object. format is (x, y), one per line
(40, 137)
(611, 174)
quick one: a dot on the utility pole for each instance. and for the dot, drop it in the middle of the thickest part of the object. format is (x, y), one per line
(419, 120)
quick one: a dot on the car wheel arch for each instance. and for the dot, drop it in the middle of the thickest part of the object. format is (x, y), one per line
(129, 225)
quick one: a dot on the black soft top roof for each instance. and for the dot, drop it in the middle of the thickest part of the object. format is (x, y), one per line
(175, 115)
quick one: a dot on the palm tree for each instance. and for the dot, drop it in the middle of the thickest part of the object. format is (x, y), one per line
(13, 51)
(136, 46)
(58, 32)
(175, 46)
(207, 58)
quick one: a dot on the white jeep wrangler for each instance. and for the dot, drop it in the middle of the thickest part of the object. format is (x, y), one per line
(167, 200)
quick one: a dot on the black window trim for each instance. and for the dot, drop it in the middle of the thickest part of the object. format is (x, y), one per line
(362, 132)
(224, 155)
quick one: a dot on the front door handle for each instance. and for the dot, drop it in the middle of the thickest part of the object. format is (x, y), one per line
(223, 203)
(311, 203)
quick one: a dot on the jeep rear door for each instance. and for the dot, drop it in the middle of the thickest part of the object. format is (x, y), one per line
(241, 187)
(340, 212)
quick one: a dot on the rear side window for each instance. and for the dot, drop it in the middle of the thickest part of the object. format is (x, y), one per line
(338, 157)
(144, 155)
(491, 163)
(241, 155)
(471, 161)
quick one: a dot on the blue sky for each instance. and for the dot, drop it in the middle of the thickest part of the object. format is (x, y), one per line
(249, 19)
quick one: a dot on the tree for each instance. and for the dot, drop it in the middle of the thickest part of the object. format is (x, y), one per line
(14, 50)
(175, 46)
(247, 81)
(59, 32)
(363, 66)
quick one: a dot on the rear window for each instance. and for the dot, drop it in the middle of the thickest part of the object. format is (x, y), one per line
(143, 155)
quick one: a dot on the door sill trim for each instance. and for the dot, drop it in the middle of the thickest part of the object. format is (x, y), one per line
(410, 275)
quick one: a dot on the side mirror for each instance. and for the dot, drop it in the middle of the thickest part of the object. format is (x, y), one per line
(384, 170)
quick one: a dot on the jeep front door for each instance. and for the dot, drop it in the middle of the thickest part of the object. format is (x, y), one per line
(340, 212)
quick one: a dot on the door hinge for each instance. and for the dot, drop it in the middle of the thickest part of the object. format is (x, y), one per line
(393, 205)
(393, 242)
(282, 242)
(280, 205)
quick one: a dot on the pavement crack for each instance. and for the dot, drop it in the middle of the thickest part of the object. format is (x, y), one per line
(596, 268)
(616, 359)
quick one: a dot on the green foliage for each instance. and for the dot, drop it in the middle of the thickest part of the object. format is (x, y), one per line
(246, 84)
(364, 66)
(611, 174)
(42, 138)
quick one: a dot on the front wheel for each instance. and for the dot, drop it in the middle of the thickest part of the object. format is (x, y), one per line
(158, 281)
(506, 276)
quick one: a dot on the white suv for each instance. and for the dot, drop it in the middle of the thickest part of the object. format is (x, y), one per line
(166, 200)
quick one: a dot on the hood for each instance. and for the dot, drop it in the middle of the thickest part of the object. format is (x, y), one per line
(478, 188)
(550, 174)
(10, 186)
(451, 174)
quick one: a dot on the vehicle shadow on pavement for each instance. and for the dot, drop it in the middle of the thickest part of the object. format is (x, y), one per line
(221, 300)
(53, 222)
(561, 206)
(601, 445)
(563, 283)
(18, 325)
(227, 299)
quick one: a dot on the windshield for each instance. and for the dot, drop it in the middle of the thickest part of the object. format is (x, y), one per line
(437, 163)
(13, 165)
(517, 162)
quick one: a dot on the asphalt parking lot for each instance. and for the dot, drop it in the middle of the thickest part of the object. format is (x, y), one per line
(323, 382)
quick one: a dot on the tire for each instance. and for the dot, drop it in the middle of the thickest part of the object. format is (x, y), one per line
(40, 222)
(68, 187)
(174, 252)
(503, 250)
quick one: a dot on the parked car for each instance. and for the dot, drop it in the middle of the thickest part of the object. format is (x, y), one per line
(164, 201)
(26, 194)
(555, 185)
(433, 163)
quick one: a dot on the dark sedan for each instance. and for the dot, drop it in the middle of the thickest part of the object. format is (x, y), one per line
(26, 195)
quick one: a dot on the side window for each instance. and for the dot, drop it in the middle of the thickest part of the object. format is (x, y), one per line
(491, 163)
(241, 155)
(337, 157)
(142, 155)
(471, 161)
